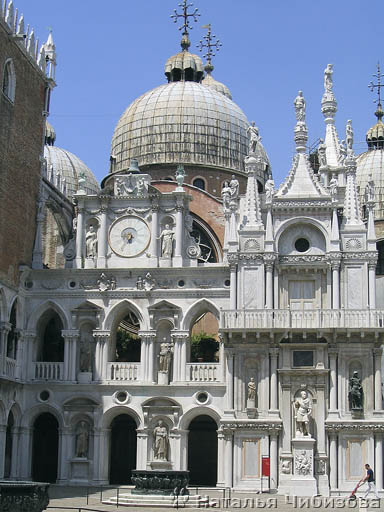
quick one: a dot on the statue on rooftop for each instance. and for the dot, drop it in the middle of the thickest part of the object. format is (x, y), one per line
(300, 108)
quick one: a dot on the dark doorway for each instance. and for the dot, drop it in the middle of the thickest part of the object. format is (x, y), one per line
(123, 449)
(202, 451)
(8, 446)
(45, 448)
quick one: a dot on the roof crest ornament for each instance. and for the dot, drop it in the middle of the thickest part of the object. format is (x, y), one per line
(379, 112)
(185, 42)
(212, 44)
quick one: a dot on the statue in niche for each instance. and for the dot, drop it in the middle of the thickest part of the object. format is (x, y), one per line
(160, 447)
(321, 151)
(226, 194)
(85, 352)
(300, 108)
(370, 190)
(166, 237)
(91, 242)
(165, 356)
(303, 406)
(254, 137)
(333, 184)
(269, 190)
(356, 394)
(252, 389)
(82, 440)
(328, 82)
(139, 283)
(234, 186)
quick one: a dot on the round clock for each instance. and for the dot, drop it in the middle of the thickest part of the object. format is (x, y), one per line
(129, 236)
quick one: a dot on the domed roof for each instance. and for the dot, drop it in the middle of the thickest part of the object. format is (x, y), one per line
(209, 81)
(370, 165)
(182, 122)
(64, 169)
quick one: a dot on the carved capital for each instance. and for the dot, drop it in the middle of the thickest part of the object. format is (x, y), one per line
(70, 334)
(101, 336)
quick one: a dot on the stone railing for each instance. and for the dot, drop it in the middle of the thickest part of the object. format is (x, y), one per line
(302, 319)
(10, 367)
(123, 371)
(48, 371)
(203, 372)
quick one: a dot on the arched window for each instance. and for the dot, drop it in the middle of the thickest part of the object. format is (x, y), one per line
(9, 80)
(199, 183)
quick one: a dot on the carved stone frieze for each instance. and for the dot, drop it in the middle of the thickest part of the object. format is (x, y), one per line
(303, 462)
(353, 244)
(310, 258)
(252, 245)
(270, 427)
(301, 204)
(354, 427)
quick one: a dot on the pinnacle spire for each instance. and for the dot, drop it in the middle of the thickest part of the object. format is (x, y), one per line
(252, 210)
(352, 213)
(333, 153)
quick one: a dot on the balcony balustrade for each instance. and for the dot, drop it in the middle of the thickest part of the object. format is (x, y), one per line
(48, 371)
(320, 319)
(203, 372)
(123, 371)
(10, 368)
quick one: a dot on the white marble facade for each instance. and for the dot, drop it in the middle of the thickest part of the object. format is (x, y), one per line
(295, 301)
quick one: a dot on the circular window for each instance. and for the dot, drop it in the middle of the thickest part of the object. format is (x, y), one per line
(202, 397)
(181, 283)
(72, 284)
(44, 395)
(121, 396)
(29, 284)
(227, 282)
(302, 245)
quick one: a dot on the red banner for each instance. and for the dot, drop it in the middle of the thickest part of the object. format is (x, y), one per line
(265, 466)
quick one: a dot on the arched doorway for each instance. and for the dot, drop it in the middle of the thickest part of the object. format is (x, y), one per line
(202, 451)
(45, 448)
(123, 449)
(8, 446)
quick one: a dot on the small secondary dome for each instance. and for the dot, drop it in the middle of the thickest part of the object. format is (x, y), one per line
(64, 168)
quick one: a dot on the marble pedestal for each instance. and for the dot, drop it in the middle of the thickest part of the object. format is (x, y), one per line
(160, 464)
(84, 377)
(165, 262)
(79, 470)
(162, 378)
(303, 482)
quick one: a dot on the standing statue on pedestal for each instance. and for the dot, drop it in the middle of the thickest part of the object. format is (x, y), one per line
(342, 153)
(82, 438)
(234, 186)
(356, 394)
(165, 356)
(160, 447)
(328, 82)
(333, 184)
(349, 137)
(269, 190)
(85, 352)
(299, 104)
(303, 406)
(254, 137)
(370, 190)
(226, 194)
(166, 238)
(91, 242)
(252, 389)
(321, 151)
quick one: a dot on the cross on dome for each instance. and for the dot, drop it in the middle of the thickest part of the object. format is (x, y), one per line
(185, 43)
(211, 44)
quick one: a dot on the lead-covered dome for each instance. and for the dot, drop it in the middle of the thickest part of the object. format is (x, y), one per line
(182, 122)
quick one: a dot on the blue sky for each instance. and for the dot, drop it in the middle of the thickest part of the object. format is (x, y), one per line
(110, 52)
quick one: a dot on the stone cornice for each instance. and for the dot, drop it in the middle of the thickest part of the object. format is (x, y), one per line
(354, 427)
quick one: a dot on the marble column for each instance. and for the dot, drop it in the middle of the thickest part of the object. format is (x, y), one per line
(372, 285)
(233, 286)
(174, 441)
(227, 216)
(15, 434)
(377, 353)
(229, 379)
(155, 231)
(28, 356)
(101, 353)
(274, 463)
(79, 238)
(20, 348)
(147, 355)
(228, 458)
(5, 327)
(221, 461)
(180, 340)
(332, 379)
(142, 444)
(379, 461)
(25, 453)
(269, 285)
(151, 359)
(183, 449)
(66, 454)
(102, 238)
(179, 232)
(333, 461)
(71, 337)
(335, 285)
(101, 455)
(274, 352)
(286, 406)
(3, 433)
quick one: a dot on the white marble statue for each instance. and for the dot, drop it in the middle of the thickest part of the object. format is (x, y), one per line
(333, 184)
(85, 351)
(269, 190)
(148, 282)
(82, 440)
(254, 137)
(234, 186)
(328, 82)
(342, 152)
(160, 447)
(349, 136)
(166, 237)
(252, 389)
(300, 108)
(165, 356)
(226, 194)
(370, 190)
(303, 406)
(91, 242)
(321, 151)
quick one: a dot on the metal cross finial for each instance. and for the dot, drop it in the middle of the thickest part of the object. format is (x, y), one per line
(211, 44)
(186, 25)
(379, 85)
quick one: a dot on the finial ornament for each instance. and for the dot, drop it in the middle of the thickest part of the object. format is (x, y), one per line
(328, 81)
(185, 43)
(379, 112)
(211, 44)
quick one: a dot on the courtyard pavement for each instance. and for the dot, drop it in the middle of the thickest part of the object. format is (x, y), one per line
(82, 499)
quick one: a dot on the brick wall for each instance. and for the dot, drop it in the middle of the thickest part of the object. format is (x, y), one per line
(21, 130)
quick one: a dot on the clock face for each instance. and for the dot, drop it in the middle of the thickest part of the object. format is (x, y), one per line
(129, 236)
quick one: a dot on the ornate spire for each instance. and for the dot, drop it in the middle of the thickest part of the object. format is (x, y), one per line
(375, 135)
(211, 44)
(329, 109)
(252, 211)
(351, 213)
(185, 42)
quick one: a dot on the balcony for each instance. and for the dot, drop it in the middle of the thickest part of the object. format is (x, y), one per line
(317, 319)
(203, 372)
(123, 371)
(48, 371)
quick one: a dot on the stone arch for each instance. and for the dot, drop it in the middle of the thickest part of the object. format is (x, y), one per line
(49, 345)
(15, 409)
(30, 416)
(36, 315)
(3, 306)
(8, 85)
(197, 410)
(114, 411)
(284, 226)
(117, 311)
(196, 309)
(3, 413)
